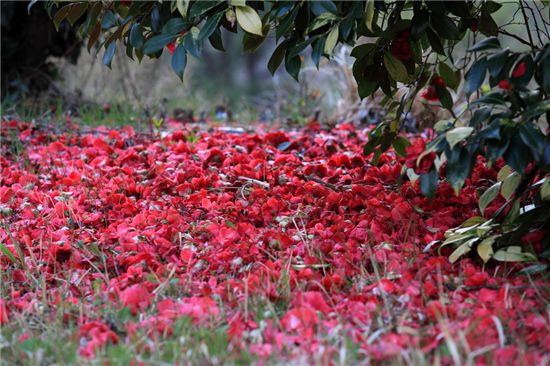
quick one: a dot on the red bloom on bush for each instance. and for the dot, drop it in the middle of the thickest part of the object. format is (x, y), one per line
(430, 94)
(505, 84)
(520, 69)
(438, 80)
(171, 47)
(413, 152)
(401, 48)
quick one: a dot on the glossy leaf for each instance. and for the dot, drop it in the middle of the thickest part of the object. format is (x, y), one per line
(457, 135)
(276, 58)
(509, 185)
(485, 248)
(476, 75)
(249, 20)
(396, 68)
(428, 183)
(109, 53)
(179, 61)
(157, 43)
(331, 41)
(488, 196)
(485, 44)
(210, 26)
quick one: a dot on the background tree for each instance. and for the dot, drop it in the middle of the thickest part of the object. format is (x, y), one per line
(28, 39)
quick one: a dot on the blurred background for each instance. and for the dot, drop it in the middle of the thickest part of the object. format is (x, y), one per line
(232, 86)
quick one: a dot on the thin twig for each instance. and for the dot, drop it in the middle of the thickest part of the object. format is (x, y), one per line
(255, 181)
(322, 182)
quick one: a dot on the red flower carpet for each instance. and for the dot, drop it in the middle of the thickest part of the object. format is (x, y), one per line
(290, 241)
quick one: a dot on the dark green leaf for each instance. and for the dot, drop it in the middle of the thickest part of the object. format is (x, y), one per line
(288, 21)
(136, 36)
(179, 61)
(191, 45)
(157, 43)
(400, 145)
(491, 98)
(496, 62)
(322, 20)
(487, 25)
(490, 6)
(458, 8)
(485, 44)
(129, 51)
(109, 53)
(174, 26)
(201, 7)
(319, 7)
(476, 75)
(366, 88)
(251, 42)
(363, 50)
(534, 269)
(155, 19)
(491, 132)
(459, 166)
(532, 137)
(524, 79)
(293, 65)
(480, 116)
(445, 98)
(371, 144)
(346, 26)
(449, 76)
(396, 69)
(535, 111)
(489, 196)
(276, 58)
(210, 26)
(496, 148)
(435, 43)
(296, 50)
(428, 183)
(419, 23)
(216, 40)
(517, 154)
(445, 27)
(317, 51)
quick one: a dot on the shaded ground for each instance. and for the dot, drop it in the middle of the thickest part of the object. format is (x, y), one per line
(232, 248)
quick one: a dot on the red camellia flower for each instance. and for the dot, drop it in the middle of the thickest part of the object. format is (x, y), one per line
(520, 69)
(413, 152)
(438, 80)
(401, 48)
(430, 94)
(505, 84)
(136, 297)
(171, 47)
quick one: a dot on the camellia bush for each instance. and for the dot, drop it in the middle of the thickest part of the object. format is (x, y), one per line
(497, 98)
